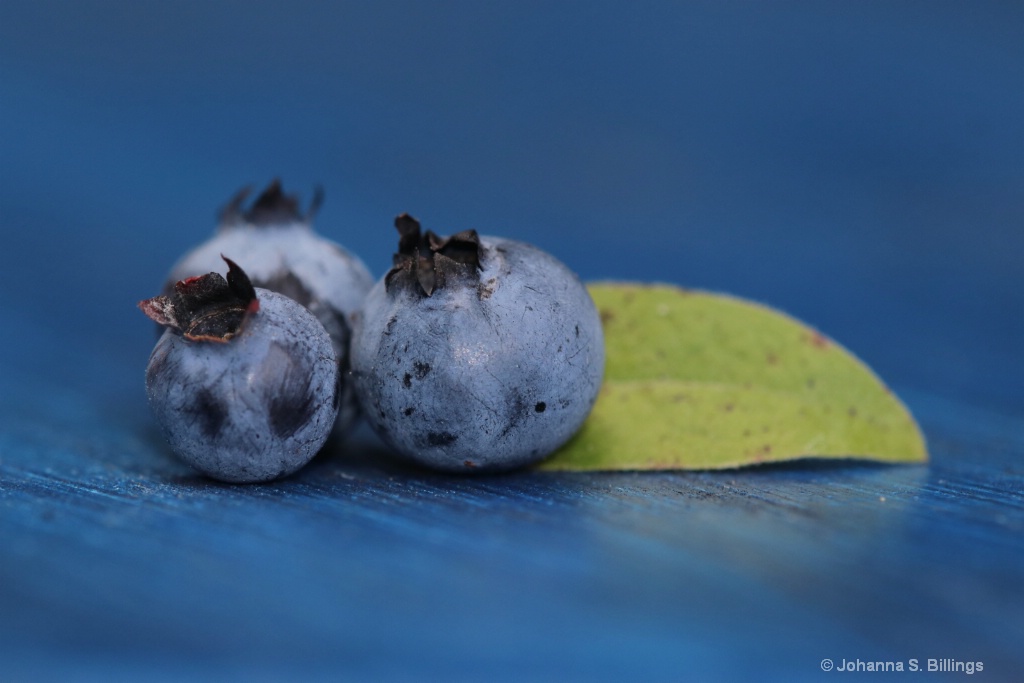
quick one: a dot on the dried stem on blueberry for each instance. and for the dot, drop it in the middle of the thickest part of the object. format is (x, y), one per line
(207, 307)
(272, 207)
(426, 262)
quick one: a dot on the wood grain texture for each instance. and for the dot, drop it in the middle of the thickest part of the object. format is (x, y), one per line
(117, 559)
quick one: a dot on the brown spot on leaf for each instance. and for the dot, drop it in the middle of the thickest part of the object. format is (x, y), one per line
(817, 340)
(606, 316)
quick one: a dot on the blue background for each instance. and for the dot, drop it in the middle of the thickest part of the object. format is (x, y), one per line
(860, 166)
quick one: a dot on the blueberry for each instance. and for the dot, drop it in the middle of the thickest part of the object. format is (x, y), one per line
(476, 352)
(282, 253)
(243, 381)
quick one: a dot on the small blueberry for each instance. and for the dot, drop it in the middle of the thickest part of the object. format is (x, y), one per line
(244, 381)
(476, 352)
(282, 253)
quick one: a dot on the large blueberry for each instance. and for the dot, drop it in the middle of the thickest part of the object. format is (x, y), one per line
(476, 352)
(276, 242)
(244, 381)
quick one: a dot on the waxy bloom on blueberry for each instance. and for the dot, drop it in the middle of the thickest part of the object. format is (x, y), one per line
(275, 240)
(244, 381)
(476, 352)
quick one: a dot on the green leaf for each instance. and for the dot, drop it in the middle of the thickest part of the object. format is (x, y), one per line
(704, 381)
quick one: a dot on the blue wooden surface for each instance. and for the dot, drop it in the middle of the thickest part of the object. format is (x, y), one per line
(859, 167)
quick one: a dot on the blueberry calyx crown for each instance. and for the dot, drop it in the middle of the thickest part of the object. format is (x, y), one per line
(206, 307)
(427, 262)
(272, 207)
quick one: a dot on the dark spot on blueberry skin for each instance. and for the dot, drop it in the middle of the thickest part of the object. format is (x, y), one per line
(290, 406)
(540, 407)
(577, 330)
(285, 282)
(209, 412)
(286, 418)
(441, 439)
(518, 409)
(407, 380)
(408, 411)
(421, 369)
(391, 324)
